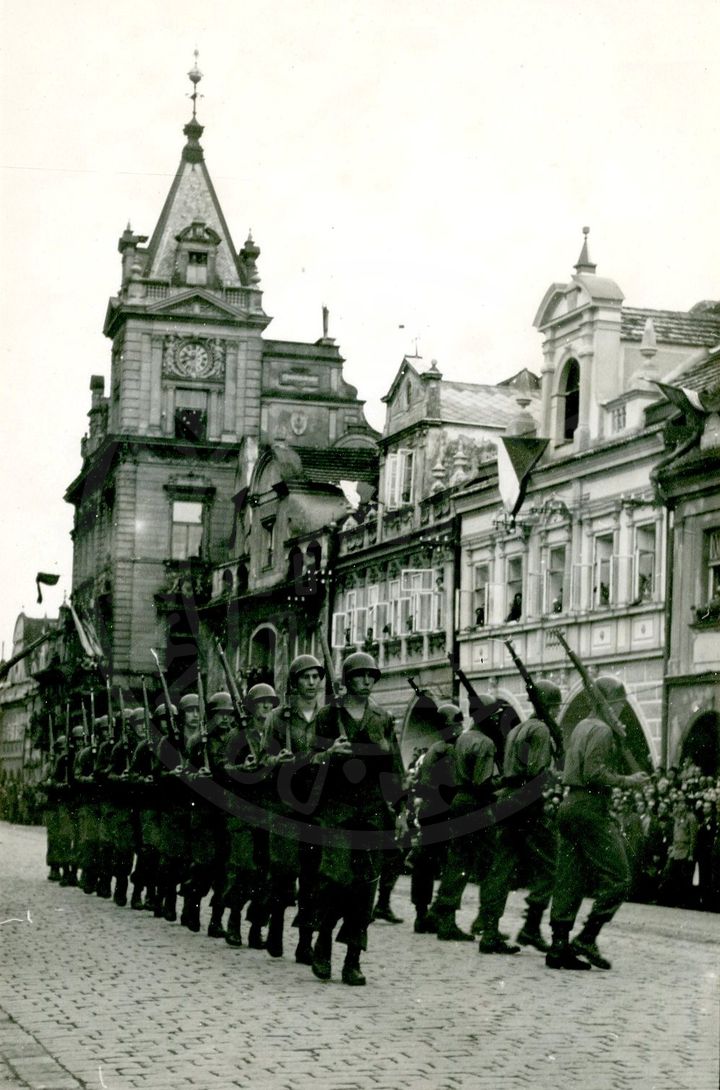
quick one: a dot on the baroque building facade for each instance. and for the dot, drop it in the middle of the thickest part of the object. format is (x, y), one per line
(587, 552)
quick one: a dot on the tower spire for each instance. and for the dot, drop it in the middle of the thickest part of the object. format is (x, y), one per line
(584, 264)
(193, 152)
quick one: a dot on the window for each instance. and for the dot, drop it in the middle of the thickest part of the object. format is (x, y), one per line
(619, 418)
(555, 580)
(267, 542)
(570, 392)
(187, 519)
(514, 588)
(712, 544)
(399, 478)
(197, 267)
(481, 594)
(191, 415)
(644, 564)
(603, 571)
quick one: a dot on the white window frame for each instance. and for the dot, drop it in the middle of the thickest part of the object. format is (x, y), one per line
(712, 553)
(598, 561)
(176, 523)
(481, 593)
(399, 478)
(638, 554)
(518, 585)
(550, 591)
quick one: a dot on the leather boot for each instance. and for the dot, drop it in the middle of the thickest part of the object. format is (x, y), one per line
(54, 874)
(383, 911)
(191, 912)
(560, 955)
(492, 943)
(304, 949)
(215, 928)
(322, 955)
(351, 969)
(425, 921)
(71, 876)
(530, 935)
(447, 929)
(136, 900)
(121, 885)
(274, 941)
(255, 939)
(169, 910)
(585, 944)
(232, 935)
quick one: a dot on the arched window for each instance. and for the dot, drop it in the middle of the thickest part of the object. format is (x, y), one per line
(570, 393)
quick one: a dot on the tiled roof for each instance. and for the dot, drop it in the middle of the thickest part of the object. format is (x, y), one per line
(697, 373)
(333, 464)
(469, 403)
(695, 327)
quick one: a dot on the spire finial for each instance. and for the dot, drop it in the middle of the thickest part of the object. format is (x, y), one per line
(584, 264)
(195, 75)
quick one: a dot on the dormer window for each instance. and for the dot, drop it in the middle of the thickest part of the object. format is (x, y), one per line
(569, 391)
(197, 267)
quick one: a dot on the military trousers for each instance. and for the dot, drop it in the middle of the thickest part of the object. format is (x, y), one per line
(591, 858)
(525, 843)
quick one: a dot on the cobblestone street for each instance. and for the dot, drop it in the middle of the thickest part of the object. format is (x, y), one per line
(96, 996)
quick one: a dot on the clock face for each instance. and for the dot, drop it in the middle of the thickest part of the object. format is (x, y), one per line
(193, 359)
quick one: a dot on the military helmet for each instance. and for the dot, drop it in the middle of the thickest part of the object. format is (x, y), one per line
(611, 688)
(220, 703)
(101, 723)
(161, 711)
(549, 692)
(189, 702)
(77, 732)
(137, 715)
(359, 663)
(301, 663)
(59, 741)
(261, 691)
(449, 713)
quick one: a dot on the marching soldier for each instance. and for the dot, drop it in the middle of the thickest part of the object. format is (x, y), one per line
(207, 819)
(472, 835)
(524, 836)
(118, 824)
(294, 860)
(56, 848)
(174, 818)
(142, 778)
(68, 808)
(247, 772)
(87, 812)
(363, 785)
(434, 790)
(591, 844)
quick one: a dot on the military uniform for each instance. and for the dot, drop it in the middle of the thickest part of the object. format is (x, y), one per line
(434, 790)
(57, 850)
(358, 797)
(525, 837)
(174, 818)
(143, 781)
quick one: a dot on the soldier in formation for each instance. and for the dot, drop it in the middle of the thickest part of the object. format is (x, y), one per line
(265, 805)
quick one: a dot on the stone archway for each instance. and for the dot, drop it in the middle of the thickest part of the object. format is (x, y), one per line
(701, 743)
(581, 706)
(261, 656)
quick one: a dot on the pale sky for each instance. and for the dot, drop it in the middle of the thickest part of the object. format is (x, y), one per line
(414, 163)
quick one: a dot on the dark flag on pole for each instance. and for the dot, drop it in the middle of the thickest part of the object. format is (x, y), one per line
(47, 579)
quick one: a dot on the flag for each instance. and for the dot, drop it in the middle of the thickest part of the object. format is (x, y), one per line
(517, 457)
(47, 579)
(82, 634)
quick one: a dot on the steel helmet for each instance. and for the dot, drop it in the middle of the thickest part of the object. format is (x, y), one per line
(449, 713)
(77, 732)
(611, 688)
(360, 662)
(137, 715)
(301, 663)
(101, 723)
(188, 702)
(261, 691)
(549, 692)
(161, 711)
(220, 702)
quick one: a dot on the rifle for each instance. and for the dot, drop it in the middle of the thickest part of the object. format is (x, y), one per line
(169, 717)
(601, 703)
(536, 700)
(421, 694)
(231, 684)
(488, 712)
(329, 666)
(86, 732)
(203, 721)
(67, 741)
(51, 735)
(111, 717)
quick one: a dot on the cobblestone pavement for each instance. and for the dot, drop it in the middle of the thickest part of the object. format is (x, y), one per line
(95, 996)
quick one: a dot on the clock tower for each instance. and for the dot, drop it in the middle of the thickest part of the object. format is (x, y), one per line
(183, 418)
